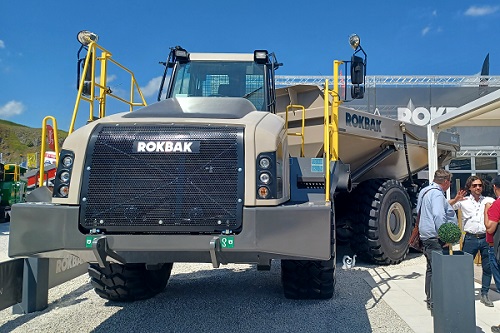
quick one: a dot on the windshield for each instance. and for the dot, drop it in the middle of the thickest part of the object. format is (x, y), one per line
(220, 79)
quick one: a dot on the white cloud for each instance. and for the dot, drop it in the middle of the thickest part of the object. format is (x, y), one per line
(481, 11)
(426, 30)
(152, 87)
(435, 13)
(12, 108)
(2, 44)
(109, 78)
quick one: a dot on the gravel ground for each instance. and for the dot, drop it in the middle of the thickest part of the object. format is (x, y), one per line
(233, 298)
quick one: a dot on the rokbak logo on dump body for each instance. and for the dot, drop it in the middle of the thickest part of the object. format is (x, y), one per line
(363, 122)
(167, 146)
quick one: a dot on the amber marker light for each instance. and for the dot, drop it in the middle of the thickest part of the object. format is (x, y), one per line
(263, 192)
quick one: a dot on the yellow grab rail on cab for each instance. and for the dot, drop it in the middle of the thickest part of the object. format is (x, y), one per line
(331, 124)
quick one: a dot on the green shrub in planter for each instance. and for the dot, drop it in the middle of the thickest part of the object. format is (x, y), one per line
(449, 233)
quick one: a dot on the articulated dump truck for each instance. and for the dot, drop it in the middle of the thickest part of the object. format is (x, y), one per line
(226, 169)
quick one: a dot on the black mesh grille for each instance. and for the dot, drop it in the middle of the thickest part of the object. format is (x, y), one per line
(129, 191)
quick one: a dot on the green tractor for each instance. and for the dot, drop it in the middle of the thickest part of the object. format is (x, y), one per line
(12, 188)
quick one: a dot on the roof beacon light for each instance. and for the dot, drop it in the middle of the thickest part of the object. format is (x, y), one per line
(260, 56)
(86, 37)
(354, 41)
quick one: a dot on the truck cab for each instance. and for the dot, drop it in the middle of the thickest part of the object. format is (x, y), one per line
(248, 76)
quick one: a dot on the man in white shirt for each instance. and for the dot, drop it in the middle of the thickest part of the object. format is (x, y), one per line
(472, 207)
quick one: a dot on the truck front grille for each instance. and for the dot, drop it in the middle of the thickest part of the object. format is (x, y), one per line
(163, 179)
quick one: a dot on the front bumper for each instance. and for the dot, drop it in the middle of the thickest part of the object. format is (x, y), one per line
(284, 232)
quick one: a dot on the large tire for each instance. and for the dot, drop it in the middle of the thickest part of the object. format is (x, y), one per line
(310, 279)
(384, 223)
(127, 283)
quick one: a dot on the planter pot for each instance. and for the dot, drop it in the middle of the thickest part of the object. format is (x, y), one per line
(453, 292)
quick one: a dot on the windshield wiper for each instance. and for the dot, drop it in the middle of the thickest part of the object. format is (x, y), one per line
(252, 92)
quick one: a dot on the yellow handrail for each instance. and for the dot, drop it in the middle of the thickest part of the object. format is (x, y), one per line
(331, 125)
(326, 139)
(90, 63)
(334, 122)
(16, 172)
(43, 147)
(301, 134)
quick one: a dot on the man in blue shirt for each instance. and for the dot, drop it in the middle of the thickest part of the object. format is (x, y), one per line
(434, 210)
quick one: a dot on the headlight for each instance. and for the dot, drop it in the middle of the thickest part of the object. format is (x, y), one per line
(269, 175)
(67, 161)
(264, 163)
(265, 178)
(63, 175)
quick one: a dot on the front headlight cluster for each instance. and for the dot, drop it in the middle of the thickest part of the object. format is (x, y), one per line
(63, 175)
(269, 180)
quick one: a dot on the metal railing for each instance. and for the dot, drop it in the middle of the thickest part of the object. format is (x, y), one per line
(43, 148)
(393, 80)
(303, 125)
(91, 60)
(12, 169)
(331, 124)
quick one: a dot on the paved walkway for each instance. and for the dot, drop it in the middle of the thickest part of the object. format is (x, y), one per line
(402, 288)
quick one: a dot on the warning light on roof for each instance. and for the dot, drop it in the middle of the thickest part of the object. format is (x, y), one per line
(354, 41)
(86, 37)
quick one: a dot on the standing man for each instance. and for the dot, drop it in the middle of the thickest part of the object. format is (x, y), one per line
(434, 210)
(472, 207)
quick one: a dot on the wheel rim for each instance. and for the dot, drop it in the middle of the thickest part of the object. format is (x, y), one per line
(396, 222)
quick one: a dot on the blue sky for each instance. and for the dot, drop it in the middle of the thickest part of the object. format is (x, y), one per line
(38, 43)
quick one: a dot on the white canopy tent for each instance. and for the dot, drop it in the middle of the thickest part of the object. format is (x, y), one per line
(484, 111)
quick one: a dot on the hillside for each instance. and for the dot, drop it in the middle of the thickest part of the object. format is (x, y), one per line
(17, 141)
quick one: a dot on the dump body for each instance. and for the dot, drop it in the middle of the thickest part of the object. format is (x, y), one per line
(362, 136)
